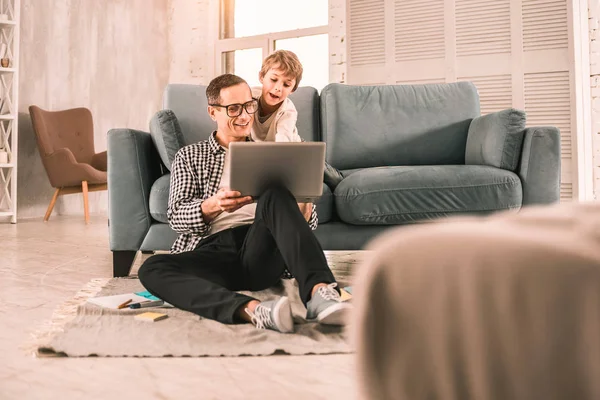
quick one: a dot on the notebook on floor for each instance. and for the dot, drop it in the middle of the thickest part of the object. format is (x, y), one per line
(116, 300)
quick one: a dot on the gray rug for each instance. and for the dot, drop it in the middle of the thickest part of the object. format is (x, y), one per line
(80, 329)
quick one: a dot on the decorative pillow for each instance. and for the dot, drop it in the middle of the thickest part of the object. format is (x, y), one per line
(332, 176)
(496, 139)
(166, 135)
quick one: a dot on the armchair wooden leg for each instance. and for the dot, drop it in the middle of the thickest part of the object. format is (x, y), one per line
(51, 205)
(122, 262)
(86, 211)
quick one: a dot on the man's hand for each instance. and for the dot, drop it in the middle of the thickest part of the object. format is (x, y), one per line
(224, 200)
(306, 210)
(230, 200)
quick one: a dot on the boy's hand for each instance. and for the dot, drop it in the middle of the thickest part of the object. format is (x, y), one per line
(231, 200)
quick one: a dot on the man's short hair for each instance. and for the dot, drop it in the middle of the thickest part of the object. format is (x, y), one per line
(287, 62)
(213, 91)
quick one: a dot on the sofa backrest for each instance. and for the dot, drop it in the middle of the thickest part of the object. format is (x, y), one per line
(307, 102)
(189, 104)
(373, 126)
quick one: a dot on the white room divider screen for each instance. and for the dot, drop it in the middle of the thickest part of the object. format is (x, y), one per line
(519, 53)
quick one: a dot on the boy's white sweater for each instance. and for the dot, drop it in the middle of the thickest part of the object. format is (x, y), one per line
(281, 125)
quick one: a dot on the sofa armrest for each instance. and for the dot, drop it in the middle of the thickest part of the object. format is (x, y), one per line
(133, 166)
(539, 168)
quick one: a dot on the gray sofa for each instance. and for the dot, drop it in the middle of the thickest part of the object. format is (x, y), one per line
(408, 154)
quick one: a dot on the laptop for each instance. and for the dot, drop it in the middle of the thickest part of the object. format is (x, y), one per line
(254, 166)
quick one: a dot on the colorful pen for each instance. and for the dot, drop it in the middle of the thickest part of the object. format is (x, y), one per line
(123, 305)
(145, 304)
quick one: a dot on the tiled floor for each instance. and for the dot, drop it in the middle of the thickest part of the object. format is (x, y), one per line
(44, 264)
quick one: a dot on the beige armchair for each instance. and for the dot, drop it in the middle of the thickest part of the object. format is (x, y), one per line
(66, 144)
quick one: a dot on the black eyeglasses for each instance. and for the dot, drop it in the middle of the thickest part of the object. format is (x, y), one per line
(235, 110)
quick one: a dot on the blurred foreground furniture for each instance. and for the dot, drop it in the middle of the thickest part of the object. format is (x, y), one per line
(500, 307)
(66, 144)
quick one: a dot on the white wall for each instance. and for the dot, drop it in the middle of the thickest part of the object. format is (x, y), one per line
(594, 22)
(337, 41)
(192, 32)
(111, 56)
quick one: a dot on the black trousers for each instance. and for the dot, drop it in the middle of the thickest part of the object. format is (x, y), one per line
(250, 257)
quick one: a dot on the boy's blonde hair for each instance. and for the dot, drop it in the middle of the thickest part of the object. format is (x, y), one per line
(287, 62)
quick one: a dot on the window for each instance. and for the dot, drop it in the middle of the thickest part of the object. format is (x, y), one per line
(250, 30)
(245, 63)
(313, 54)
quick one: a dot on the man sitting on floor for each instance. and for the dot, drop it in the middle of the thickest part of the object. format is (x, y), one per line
(229, 243)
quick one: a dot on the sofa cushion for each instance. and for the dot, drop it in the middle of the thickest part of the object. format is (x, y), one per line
(159, 198)
(307, 102)
(159, 201)
(325, 205)
(375, 126)
(159, 237)
(332, 176)
(396, 195)
(189, 103)
(496, 139)
(166, 135)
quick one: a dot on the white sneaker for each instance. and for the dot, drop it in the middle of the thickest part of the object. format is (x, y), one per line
(327, 308)
(273, 314)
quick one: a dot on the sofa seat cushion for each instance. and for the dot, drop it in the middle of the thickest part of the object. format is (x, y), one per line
(159, 198)
(396, 195)
(159, 201)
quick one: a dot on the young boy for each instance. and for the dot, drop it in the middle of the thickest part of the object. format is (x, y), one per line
(275, 120)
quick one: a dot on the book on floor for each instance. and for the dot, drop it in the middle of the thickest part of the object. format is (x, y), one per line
(122, 301)
(115, 301)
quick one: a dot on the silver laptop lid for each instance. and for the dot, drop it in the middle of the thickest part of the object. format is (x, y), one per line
(299, 167)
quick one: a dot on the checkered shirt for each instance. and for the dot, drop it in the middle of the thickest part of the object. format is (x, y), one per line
(195, 176)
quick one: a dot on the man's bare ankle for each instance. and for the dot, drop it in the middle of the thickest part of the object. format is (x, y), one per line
(251, 306)
(317, 286)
